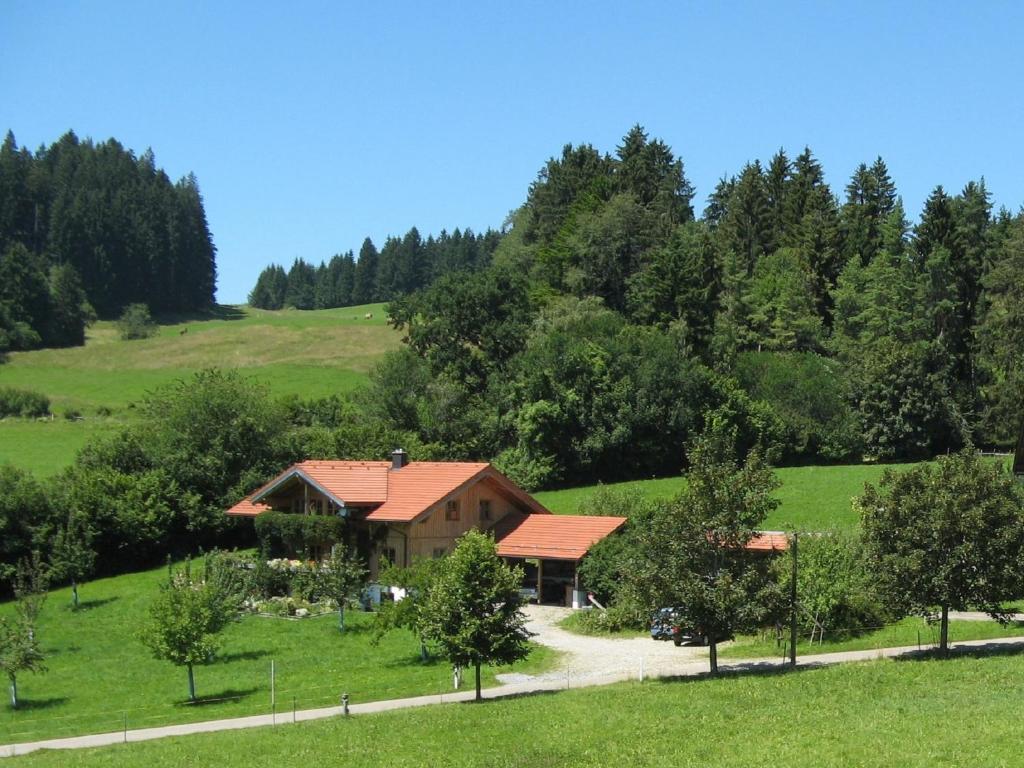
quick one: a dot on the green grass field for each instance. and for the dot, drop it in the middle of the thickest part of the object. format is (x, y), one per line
(99, 671)
(911, 631)
(811, 498)
(912, 714)
(46, 447)
(310, 354)
(294, 352)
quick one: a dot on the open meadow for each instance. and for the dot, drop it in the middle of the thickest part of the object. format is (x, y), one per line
(907, 713)
(811, 498)
(99, 672)
(308, 353)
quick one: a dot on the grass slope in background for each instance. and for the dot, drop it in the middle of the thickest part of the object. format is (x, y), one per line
(306, 353)
(99, 670)
(309, 353)
(876, 714)
(812, 498)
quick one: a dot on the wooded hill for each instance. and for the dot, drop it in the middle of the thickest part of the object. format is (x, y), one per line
(88, 227)
(610, 320)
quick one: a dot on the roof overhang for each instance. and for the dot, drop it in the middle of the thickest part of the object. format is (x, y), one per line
(297, 474)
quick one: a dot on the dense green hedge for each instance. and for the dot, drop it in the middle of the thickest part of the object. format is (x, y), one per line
(23, 402)
(284, 533)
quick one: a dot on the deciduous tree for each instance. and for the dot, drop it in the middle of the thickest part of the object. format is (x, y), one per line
(185, 622)
(472, 612)
(341, 578)
(692, 554)
(946, 536)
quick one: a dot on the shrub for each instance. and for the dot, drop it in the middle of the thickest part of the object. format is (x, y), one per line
(135, 323)
(812, 397)
(270, 582)
(604, 570)
(231, 574)
(838, 593)
(23, 402)
(285, 533)
(621, 616)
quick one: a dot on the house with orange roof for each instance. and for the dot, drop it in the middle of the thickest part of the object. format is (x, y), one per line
(403, 510)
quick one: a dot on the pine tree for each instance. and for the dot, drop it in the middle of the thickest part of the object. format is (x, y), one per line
(70, 311)
(301, 286)
(746, 227)
(364, 285)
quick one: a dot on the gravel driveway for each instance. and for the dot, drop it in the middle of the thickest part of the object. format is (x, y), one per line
(593, 657)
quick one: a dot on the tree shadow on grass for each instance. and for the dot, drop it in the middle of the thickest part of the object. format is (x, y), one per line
(984, 651)
(746, 669)
(35, 705)
(216, 312)
(88, 605)
(230, 694)
(413, 660)
(496, 699)
(227, 658)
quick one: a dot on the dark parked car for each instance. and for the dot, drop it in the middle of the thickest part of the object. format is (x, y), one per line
(666, 625)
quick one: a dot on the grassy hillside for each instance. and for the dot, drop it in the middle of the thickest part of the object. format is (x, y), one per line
(310, 354)
(882, 713)
(97, 664)
(811, 498)
(306, 353)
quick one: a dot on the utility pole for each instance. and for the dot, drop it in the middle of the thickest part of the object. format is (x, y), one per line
(792, 606)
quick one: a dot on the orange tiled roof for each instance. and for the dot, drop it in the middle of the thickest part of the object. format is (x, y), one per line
(402, 495)
(554, 537)
(421, 484)
(769, 541)
(247, 508)
(354, 482)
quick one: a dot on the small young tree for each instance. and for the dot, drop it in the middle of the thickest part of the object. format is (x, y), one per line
(31, 581)
(472, 610)
(341, 577)
(947, 535)
(692, 555)
(19, 652)
(416, 580)
(71, 556)
(135, 323)
(185, 622)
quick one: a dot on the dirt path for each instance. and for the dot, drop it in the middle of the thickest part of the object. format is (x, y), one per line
(587, 657)
(580, 651)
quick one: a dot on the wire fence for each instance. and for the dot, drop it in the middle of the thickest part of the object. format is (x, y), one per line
(284, 708)
(285, 704)
(267, 697)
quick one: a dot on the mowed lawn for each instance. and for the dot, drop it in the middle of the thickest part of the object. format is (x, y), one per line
(811, 498)
(920, 713)
(305, 353)
(909, 632)
(46, 447)
(99, 671)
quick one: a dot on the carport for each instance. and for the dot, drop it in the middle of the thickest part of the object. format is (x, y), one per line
(550, 549)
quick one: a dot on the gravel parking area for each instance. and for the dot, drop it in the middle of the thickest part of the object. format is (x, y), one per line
(594, 657)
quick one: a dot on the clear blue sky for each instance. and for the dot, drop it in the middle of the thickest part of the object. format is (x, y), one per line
(311, 125)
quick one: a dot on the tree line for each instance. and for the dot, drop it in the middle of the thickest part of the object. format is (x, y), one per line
(87, 229)
(939, 537)
(612, 322)
(403, 265)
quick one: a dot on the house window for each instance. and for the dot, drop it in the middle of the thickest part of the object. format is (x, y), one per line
(485, 509)
(389, 554)
(451, 510)
(439, 552)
